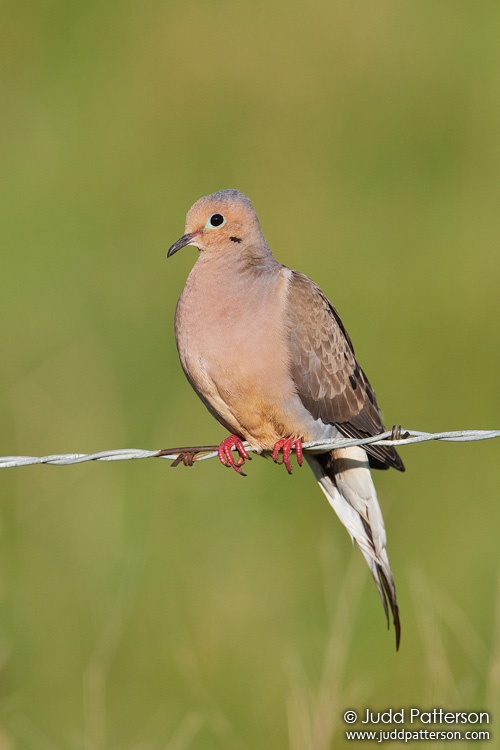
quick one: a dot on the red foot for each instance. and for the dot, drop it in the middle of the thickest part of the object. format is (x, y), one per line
(226, 457)
(285, 447)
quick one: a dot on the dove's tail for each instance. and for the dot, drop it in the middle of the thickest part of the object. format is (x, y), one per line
(344, 476)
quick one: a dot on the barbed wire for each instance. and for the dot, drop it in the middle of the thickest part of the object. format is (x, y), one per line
(188, 455)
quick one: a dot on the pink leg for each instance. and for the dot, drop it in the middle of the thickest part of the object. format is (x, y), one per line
(226, 457)
(285, 447)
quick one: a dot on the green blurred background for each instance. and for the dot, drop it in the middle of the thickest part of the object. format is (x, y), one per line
(146, 608)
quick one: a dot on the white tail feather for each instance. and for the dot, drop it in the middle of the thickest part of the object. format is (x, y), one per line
(345, 478)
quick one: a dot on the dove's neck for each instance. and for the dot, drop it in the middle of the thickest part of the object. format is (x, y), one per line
(237, 265)
(237, 282)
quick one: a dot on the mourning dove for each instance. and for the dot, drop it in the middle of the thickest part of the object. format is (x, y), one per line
(270, 358)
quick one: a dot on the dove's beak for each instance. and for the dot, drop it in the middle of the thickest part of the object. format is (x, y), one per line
(186, 239)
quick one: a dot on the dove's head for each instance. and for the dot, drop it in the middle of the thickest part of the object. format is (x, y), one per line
(221, 223)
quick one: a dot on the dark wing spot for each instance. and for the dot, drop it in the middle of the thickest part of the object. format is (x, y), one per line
(235, 239)
(369, 393)
(353, 382)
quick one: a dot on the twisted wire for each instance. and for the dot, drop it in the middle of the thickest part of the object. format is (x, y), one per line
(187, 455)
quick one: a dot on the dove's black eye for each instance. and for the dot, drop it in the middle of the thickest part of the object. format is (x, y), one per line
(216, 220)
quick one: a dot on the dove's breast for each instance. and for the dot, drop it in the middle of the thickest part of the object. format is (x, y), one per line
(235, 355)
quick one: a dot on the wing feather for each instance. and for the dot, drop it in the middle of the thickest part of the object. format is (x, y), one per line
(329, 381)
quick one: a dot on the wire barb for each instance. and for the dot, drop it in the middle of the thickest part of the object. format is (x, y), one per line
(189, 455)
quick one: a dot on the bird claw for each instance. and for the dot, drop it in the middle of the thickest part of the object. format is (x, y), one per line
(285, 448)
(225, 453)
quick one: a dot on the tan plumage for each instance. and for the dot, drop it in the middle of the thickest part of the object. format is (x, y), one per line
(270, 358)
(329, 381)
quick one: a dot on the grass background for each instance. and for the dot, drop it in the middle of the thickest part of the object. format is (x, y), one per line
(143, 608)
